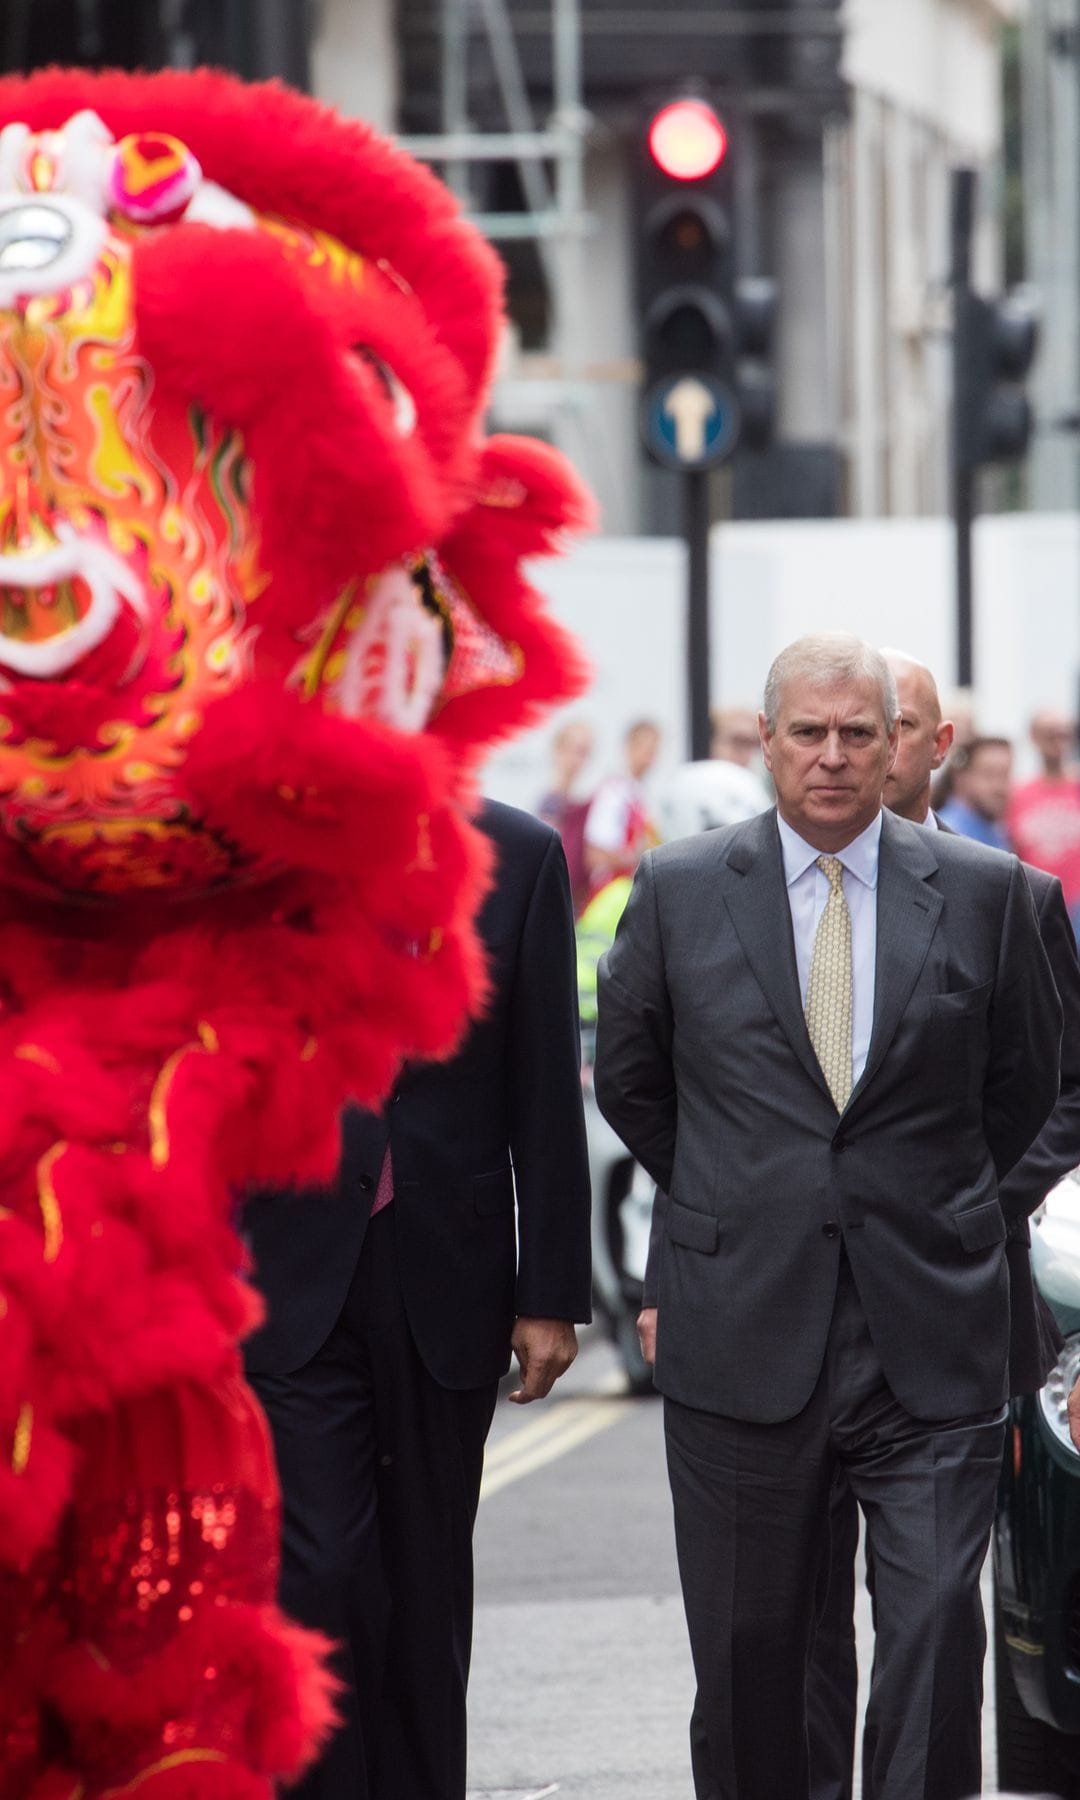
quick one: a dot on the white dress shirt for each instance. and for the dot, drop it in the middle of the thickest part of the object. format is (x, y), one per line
(808, 890)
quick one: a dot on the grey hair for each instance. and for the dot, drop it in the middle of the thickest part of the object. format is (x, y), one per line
(830, 659)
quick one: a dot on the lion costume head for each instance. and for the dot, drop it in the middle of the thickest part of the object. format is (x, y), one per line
(245, 500)
(262, 613)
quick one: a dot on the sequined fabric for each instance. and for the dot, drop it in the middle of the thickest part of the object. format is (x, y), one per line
(147, 1565)
(138, 1646)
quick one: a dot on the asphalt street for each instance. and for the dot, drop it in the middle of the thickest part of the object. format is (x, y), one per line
(581, 1682)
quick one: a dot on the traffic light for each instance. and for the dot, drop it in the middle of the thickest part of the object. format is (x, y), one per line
(705, 335)
(994, 345)
(755, 324)
(686, 265)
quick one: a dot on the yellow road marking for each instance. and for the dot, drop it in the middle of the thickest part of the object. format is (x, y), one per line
(543, 1441)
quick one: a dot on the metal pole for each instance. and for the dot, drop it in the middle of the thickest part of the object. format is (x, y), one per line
(568, 262)
(696, 531)
(454, 87)
(515, 98)
(963, 484)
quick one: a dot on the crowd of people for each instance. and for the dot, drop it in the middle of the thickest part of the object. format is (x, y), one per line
(976, 790)
(977, 794)
(606, 829)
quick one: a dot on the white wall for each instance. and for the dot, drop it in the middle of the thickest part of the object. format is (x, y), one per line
(891, 581)
(354, 62)
(938, 60)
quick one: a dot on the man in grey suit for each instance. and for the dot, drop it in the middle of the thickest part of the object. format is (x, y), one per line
(1034, 1340)
(827, 1034)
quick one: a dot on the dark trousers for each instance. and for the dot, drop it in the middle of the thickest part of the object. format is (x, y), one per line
(832, 1676)
(752, 1532)
(380, 1473)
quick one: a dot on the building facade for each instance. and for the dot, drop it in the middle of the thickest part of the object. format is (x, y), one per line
(850, 119)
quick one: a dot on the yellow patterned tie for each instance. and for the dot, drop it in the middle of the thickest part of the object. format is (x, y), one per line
(829, 990)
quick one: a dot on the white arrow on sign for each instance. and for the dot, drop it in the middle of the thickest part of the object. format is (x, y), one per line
(691, 405)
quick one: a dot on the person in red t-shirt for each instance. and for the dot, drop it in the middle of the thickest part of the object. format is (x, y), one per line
(1044, 814)
(571, 750)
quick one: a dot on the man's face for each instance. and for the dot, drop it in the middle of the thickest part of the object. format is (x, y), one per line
(985, 782)
(924, 744)
(735, 739)
(828, 758)
(641, 748)
(573, 749)
(1054, 737)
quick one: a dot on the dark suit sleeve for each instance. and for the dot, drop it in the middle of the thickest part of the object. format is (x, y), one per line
(650, 1292)
(1056, 1150)
(634, 1079)
(1022, 1076)
(547, 1121)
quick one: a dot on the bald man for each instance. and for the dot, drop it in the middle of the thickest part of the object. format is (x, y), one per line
(925, 741)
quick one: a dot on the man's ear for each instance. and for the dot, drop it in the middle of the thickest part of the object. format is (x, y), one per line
(766, 739)
(943, 741)
(894, 742)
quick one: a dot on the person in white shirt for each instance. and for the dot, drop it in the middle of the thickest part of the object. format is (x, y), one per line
(618, 827)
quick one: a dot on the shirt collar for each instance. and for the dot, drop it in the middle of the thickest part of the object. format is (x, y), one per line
(930, 823)
(860, 857)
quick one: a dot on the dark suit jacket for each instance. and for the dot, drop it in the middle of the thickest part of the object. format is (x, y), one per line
(504, 1115)
(705, 1069)
(1034, 1340)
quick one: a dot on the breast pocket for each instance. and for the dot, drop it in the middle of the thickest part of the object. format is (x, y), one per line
(960, 1005)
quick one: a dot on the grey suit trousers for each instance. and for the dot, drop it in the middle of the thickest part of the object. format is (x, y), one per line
(752, 1529)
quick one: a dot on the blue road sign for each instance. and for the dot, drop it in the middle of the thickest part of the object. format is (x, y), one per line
(690, 421)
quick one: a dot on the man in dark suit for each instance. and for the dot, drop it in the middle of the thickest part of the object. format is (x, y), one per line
(825, 1034)
(393, 1305)
(1034, 1340)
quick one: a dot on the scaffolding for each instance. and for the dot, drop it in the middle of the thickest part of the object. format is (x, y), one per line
(554, 216)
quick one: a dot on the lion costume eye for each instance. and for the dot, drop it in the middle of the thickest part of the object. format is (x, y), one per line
(395, 390)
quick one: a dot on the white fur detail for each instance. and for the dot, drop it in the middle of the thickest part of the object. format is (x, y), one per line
(13, 141)
(214, 205)
(86, 159)
(109, 580)
(77, 257)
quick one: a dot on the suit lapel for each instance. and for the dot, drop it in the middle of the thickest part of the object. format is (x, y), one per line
(761, 915)
(907, 915)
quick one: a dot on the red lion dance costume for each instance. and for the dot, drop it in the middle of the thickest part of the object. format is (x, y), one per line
(261, 610)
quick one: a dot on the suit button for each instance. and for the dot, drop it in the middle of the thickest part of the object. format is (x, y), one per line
(366, 1184)
(396, 1096)
(839, 1143)
(831, 1229)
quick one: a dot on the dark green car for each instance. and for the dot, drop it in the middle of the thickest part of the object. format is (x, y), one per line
(1037, 1542)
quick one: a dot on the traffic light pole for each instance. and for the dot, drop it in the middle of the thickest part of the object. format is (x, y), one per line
(695, 483)
(962, 221)
(964, 515)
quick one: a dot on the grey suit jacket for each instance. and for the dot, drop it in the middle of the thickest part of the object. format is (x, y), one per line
(705, 1069)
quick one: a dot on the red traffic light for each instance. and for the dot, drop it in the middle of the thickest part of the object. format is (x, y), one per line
(687, 140)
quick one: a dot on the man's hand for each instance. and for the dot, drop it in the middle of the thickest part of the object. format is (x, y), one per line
(545, 1348)
(1073, 1404)
(646, 1331)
